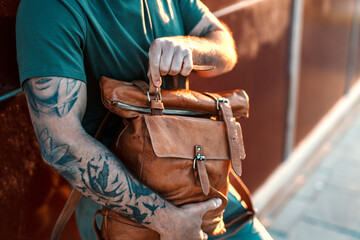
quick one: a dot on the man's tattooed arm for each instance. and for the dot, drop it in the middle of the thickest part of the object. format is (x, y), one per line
(56, 108)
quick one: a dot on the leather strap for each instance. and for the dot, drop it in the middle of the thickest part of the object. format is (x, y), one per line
(233, 137)
(243, 217)
(156, 107)
(142, 85)
(75, 195)
(201, 168)
(66, 213)
(152, 89)
(241, 188)
(237, 152)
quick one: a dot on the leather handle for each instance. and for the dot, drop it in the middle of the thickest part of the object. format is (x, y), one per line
(152, 88)
(203, 67)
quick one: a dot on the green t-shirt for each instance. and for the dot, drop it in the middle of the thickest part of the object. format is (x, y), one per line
(85, 39)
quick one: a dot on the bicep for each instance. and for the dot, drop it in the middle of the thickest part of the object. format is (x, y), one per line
(208, 24)
(56, 104)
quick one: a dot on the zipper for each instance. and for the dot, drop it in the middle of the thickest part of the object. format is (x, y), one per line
(165, 111)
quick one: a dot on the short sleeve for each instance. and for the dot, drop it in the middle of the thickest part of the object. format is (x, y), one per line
(50, 40)
(191, 12)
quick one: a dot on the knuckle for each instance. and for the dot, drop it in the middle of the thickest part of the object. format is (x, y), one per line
(185, 71)
(157, 41)
(178, 48)
(156, 44)
(164, 70)
(174, 70)
(187, 51)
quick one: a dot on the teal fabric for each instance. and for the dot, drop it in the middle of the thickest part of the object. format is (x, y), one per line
(253, 230)
(87, 39)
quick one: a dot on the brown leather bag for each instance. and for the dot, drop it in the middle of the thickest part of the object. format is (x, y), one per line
(180, 143)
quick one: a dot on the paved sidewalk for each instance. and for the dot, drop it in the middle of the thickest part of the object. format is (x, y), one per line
(323, 199)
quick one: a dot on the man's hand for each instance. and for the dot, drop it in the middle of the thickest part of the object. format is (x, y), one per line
(169, 55)
(187, 221)
(209, 43)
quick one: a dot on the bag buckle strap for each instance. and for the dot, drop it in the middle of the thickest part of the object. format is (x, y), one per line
(156, 105)
(199, 165)
(225, 100)
(157, 94)
(198, 155)
(200, 158)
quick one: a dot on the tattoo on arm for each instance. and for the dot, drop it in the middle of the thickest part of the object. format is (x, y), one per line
(51, 95)
(206, 30)
(95, 180)
(86, 164)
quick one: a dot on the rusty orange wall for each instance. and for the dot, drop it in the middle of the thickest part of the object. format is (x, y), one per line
(324, 62)
(261, 33)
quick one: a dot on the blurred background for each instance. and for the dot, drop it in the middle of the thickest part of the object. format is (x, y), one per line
(298, 62)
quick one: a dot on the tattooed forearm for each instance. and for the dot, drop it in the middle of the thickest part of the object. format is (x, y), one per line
(56, 106)
(118, 191)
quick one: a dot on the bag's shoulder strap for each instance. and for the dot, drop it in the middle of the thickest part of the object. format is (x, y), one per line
(75, 195)
(243, 217)
(237, 153)
(241, 188)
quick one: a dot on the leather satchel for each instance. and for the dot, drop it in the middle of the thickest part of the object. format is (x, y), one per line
(180, 143)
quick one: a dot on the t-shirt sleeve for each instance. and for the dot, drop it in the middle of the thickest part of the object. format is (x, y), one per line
(49, 40)
(191, 12)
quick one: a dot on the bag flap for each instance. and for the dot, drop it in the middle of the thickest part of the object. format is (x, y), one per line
(115, 91)
(177, 136)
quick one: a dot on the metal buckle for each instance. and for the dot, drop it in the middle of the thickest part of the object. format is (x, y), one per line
(200, 158)
(225, 100)
(158, 93)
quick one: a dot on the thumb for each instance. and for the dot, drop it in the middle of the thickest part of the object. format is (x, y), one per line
(209, 205)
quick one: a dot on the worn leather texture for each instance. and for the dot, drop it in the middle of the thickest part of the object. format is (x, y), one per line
(160, 150)
(114, 91)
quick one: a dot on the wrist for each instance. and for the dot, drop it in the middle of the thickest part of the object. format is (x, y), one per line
(165, 220)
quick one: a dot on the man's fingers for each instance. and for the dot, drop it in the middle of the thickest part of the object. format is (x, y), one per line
(166, 61)
(187, 65)
(176, 64)
(154, 64)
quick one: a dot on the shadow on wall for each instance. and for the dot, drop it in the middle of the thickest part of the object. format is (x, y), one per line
(8, 65)
(265, 24)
